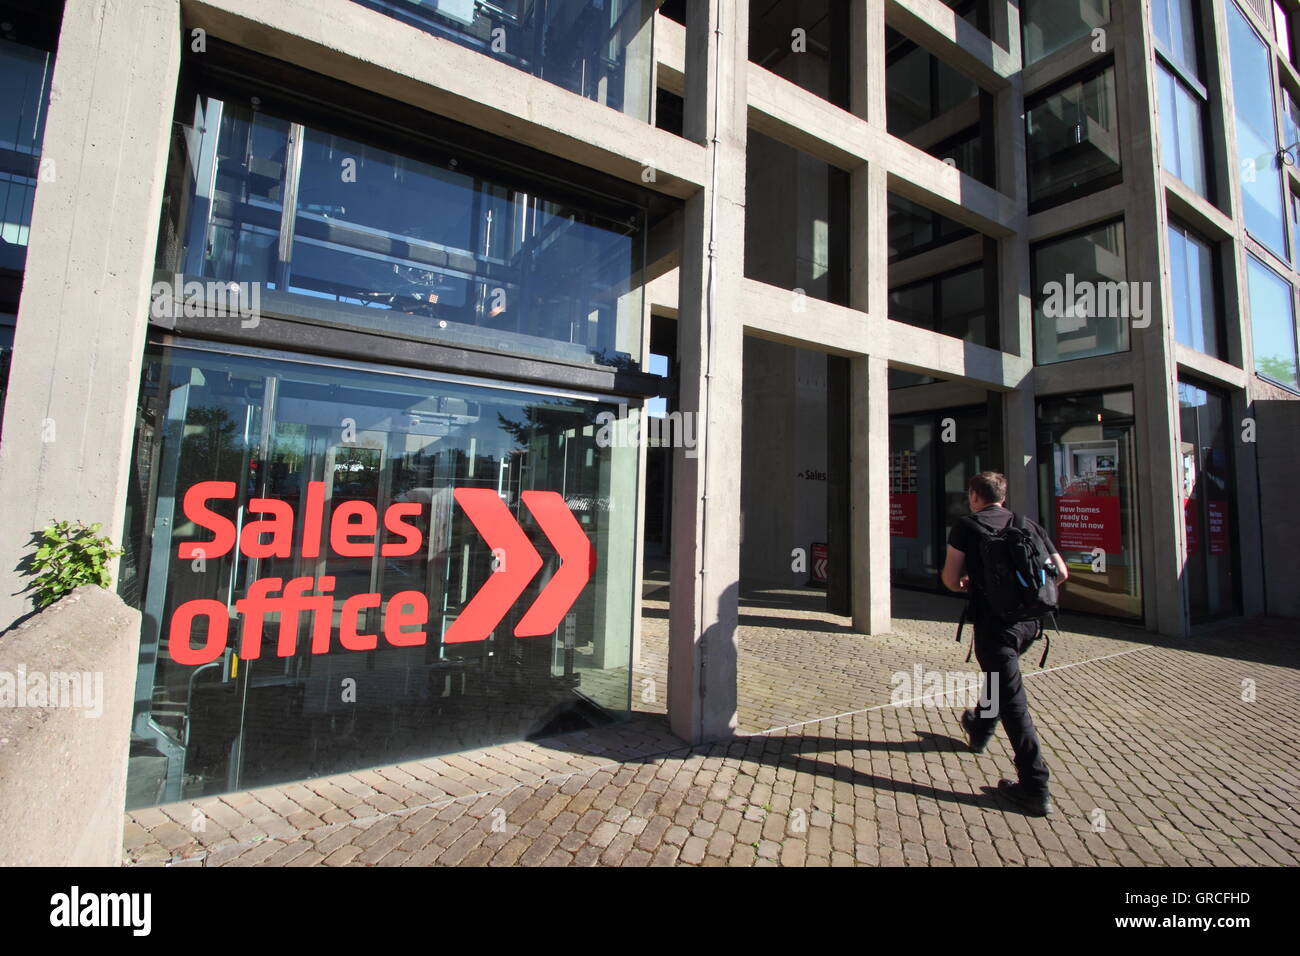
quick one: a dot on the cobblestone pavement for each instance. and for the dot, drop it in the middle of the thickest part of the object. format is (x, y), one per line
(1161, 752)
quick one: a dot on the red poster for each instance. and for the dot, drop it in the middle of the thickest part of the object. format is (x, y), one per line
(820, 560)
(1085, 522)
(902, 514)
(1193, 524)
(1218, 520)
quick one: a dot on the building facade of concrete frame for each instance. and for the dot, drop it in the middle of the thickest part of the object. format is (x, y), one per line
(1106, 146)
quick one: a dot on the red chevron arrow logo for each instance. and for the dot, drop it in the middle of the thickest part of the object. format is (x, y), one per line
(489, 514)
(578, 557)
(493, 520)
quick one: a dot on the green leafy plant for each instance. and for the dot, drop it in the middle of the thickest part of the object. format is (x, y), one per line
(68, 555)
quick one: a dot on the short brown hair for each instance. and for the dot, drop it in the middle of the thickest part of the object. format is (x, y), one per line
(990, 486)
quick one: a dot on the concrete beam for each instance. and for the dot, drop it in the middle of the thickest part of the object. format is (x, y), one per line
(352, 43)
(70, 410)
(670, 54)
(937, 28)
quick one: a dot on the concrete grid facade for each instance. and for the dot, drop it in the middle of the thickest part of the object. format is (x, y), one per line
(80, 336)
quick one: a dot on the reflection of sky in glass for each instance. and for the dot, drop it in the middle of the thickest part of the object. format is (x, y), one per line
(658, 365)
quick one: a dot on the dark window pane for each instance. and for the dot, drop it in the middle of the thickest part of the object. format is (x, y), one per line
(817, 57)
(1049, 25)
(1083, 303)
(1073, 139)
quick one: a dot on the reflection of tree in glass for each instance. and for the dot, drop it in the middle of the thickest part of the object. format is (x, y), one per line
(554, 418)
(356, 473)
(1277, 368)
(210, 450)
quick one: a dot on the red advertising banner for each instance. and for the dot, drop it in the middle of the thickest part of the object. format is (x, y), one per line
(1192, 522)
(1086, 522)
(1220, 543)
(902, 514)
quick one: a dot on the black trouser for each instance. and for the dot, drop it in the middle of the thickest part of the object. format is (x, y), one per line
(997, 648)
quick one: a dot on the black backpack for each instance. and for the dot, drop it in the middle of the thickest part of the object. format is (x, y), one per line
(1017, 579)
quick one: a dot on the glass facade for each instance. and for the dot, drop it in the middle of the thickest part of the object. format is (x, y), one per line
(1083, 302)
(1272, 325)
(1257, 145)
(313, 547)
(1049, 25)
(1087, 486)
(599, 49)
(1209, 503)
(440, 249)
(1073, 139)
(26, 66)
(1193, 291)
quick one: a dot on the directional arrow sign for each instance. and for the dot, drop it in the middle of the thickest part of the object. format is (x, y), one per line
(579, 561)
(489, 514)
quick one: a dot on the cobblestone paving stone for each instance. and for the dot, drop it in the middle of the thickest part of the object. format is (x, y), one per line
(1158, 754)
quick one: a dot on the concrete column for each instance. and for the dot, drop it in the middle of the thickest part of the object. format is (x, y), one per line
(869, 458)
(706, 483)
(70, 413)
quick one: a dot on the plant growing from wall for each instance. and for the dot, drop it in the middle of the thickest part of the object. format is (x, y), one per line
(69, 555)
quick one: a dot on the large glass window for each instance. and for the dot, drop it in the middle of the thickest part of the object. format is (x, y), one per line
(26, 65)
(1272, 325)
(936, 107)
(796, 229)
(1174, 23)
(805, 42)
(1083, 302)
(1257, 146)
(1088, 470)
(1193, 289)
(599, 49)
(339, 567)
(1182, 131)
(1073, 139)
(1209, 502)
(444, 249)
(1048, 25)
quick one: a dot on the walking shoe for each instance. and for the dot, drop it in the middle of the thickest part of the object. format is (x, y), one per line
(968, 725)
(1033, 804)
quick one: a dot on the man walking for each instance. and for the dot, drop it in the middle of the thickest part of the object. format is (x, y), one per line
(998, 643)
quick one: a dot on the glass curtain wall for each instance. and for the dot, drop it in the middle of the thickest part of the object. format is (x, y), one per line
(348, 233)
(318, 595)
(1087, 478)
(26, 67)
(600, 49)
(1273, 325)
(1209, 503)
